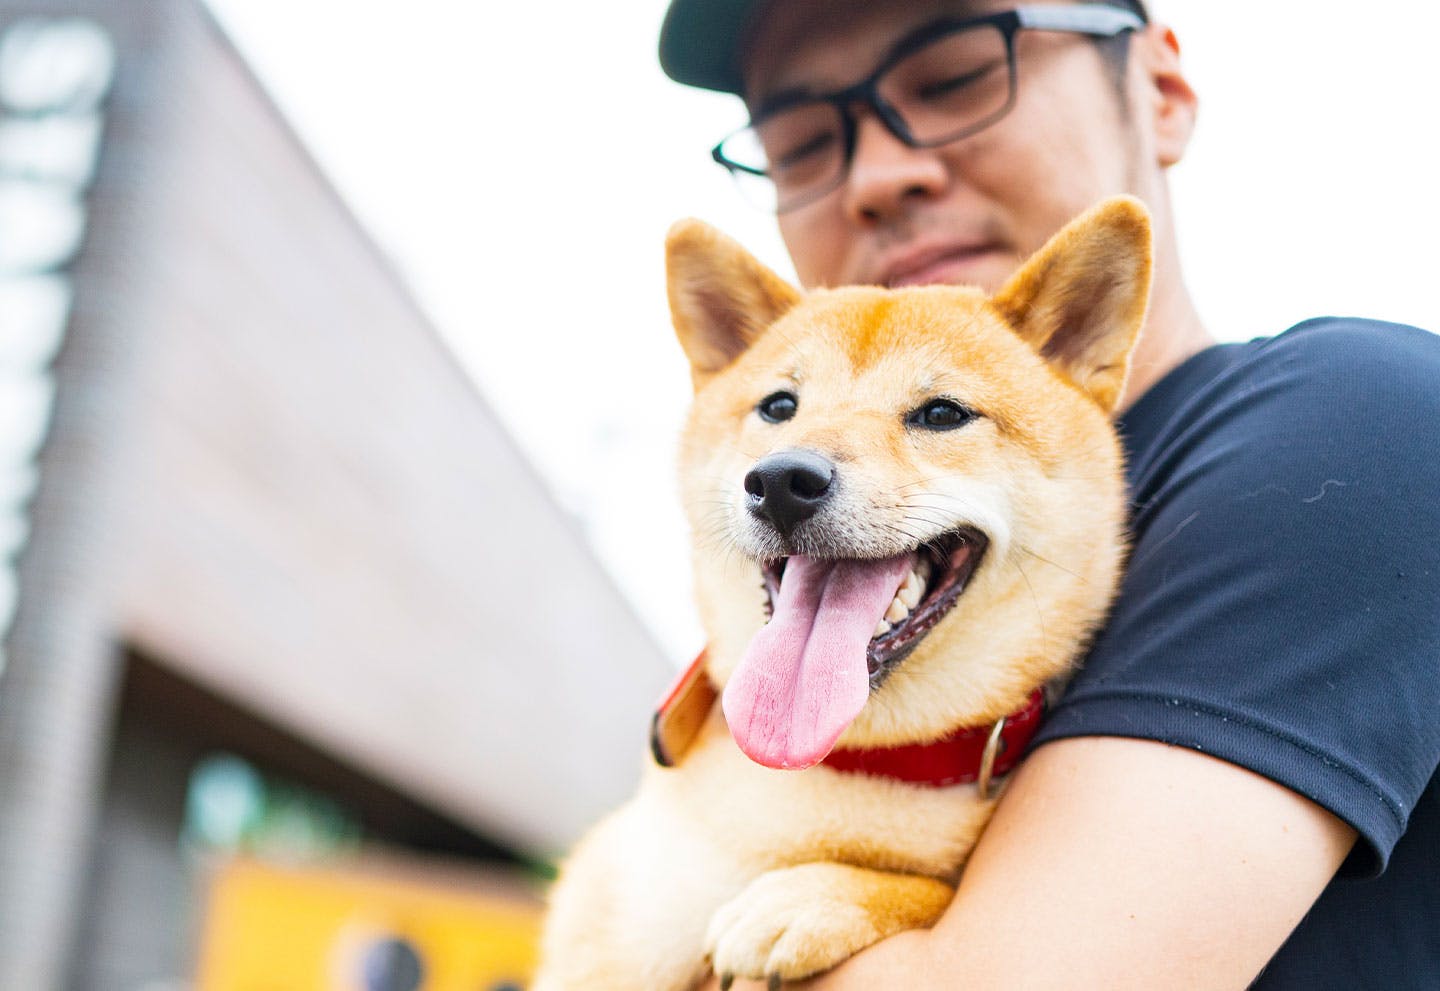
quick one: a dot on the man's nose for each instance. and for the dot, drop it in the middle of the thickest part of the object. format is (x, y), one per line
(886, 174)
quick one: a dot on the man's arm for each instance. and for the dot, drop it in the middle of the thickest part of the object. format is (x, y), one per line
(1115, 863)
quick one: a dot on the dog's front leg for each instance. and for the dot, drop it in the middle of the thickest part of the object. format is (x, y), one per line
(795, 922)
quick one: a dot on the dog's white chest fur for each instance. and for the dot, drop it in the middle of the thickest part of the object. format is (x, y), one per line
(695, 836)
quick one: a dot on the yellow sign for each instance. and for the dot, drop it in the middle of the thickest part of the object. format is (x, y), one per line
(363, 928)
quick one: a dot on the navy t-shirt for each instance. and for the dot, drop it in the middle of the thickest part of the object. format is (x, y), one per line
(1281, 611)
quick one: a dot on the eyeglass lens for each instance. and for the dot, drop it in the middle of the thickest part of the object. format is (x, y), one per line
(951, 87)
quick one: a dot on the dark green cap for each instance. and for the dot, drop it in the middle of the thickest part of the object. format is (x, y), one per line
(700, 42)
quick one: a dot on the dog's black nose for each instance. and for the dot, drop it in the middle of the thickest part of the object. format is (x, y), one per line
(789, 487)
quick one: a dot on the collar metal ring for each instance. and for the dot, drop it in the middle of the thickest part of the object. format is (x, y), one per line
(987, 759)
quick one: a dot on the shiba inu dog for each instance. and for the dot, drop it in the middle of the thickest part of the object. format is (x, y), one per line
(908, 511)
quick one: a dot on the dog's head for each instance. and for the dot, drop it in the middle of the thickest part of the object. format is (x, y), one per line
(908, 504)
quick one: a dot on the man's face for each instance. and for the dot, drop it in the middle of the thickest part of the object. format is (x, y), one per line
(967, 212)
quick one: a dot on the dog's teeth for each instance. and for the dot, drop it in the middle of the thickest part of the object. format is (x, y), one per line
(910, 592)
(897, 611)
(881, 628)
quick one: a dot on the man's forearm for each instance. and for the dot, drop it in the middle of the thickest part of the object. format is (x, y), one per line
(1114, 864)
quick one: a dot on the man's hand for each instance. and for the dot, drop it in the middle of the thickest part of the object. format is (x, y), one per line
(1115, 863)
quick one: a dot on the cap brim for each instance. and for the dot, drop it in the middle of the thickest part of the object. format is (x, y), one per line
(700, 41)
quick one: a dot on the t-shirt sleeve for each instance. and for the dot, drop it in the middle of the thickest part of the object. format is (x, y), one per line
(1281, 607)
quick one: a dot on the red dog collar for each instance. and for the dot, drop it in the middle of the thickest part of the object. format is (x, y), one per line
(956, 759)
(681, 713)
(978, 753)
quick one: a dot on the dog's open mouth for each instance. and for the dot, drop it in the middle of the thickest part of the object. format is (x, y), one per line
(838, 627)
(937, 578)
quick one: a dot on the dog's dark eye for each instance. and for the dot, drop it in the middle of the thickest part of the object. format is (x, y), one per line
(941, 414)
(777, 408)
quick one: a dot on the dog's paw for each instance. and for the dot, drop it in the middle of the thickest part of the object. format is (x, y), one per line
(793, 923)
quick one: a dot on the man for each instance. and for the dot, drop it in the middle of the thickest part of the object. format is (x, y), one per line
(1261, 711)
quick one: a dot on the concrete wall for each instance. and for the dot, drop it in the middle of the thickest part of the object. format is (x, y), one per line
(330, 524)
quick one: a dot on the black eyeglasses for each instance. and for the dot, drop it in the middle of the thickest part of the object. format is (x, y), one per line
(941, 83)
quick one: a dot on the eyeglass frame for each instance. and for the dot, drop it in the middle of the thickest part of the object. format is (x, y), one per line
(1100, 20)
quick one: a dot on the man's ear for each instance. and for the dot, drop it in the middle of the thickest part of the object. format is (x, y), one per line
(1166, 95)
(1080, 300)
(721, 297)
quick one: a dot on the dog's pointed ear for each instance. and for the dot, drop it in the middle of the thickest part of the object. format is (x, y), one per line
(721, 297)
(1080, 300)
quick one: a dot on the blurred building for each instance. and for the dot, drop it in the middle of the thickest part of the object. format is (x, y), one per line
(273, 579)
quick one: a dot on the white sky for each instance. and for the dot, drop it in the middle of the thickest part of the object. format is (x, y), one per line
(520, 163)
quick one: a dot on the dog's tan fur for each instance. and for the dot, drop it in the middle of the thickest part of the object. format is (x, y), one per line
(723, 863)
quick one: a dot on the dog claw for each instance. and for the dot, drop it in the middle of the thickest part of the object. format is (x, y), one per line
(772, 983)
(725, 981)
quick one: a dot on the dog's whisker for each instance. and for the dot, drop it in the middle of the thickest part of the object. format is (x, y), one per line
(933, 527)
(896, 527)
(1040, 557)
(928, 517)
(914, 538)
(929, 481)
(789, 343)
(747, 455)
(947, 504)
(930, 514)
(1039, 613)
(714, 539)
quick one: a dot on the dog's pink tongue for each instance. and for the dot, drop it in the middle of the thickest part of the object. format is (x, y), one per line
(804, 677)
